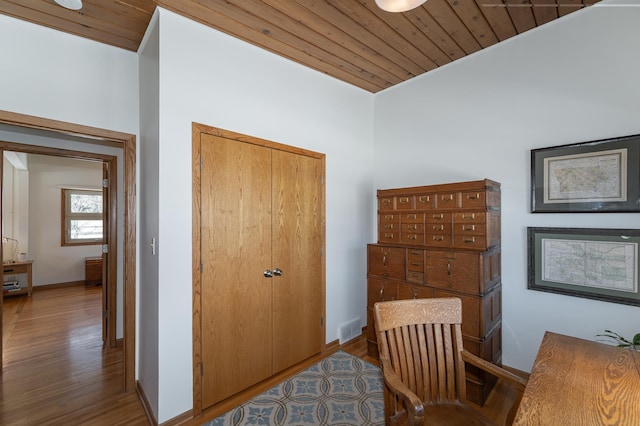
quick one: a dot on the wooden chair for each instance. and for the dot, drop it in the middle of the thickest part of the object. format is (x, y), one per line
(422, 361)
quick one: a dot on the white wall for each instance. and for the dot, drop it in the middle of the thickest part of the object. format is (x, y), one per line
(210, 78)
(148, 291)
(54, 263)
(573, 80)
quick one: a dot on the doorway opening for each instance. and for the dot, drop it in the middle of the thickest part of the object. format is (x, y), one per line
(51, 130)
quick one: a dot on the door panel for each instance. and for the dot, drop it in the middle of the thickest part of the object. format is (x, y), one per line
(236, 249)
(297, 243)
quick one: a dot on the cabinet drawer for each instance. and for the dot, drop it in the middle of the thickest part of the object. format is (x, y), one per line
(386, 203)
(405, 202)
(413, 238)
(447, 200)
(469, 228)
(412, 228)
(388, 262)
(415, 277)
(472, 273)
(470, 217)
(389, 218)
(388, 237)
(438, 239)
(425, 201)
(470, 241)
(406, 291)
(380, 291)
(438, 218)
(473, 199)
(412, 218)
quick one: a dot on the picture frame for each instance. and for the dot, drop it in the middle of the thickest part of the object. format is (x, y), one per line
(600, 176)
(600, 264)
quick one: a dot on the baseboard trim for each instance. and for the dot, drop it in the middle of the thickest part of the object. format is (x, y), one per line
(57, 285)
(145, 404)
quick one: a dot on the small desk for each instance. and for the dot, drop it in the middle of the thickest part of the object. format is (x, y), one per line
(17, 268)
(580, 382)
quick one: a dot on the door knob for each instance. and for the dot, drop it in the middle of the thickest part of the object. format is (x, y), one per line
(267, 273)
(277, 272)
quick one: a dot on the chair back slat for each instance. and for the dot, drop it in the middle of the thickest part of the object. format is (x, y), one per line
(422, 339)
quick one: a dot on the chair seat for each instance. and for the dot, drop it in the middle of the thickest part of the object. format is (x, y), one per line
(453, 415)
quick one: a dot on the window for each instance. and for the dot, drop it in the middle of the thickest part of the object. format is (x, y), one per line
(81, 217)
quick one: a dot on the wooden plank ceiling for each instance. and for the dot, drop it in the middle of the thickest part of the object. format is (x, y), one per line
(351, 40)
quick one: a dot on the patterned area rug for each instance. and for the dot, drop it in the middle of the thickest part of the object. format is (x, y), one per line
(339, 390)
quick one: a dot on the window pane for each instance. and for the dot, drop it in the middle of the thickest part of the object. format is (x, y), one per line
(85, 229)
(86, 203)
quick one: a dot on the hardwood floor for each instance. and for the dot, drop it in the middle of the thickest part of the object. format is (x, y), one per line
(56, 371)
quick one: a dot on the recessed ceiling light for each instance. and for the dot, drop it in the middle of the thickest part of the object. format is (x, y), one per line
(70, 4)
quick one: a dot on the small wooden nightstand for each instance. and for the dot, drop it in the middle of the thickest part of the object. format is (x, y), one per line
(93, 270)
(17, 268)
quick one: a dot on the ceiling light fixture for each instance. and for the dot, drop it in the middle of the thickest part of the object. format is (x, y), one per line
(70, 4)
(397, 5)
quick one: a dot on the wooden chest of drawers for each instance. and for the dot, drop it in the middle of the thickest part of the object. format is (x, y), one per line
(443, 241)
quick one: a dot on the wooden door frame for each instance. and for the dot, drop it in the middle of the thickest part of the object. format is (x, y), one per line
(196, 131)
(126, 142)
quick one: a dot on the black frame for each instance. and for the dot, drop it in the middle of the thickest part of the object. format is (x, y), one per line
(535, 281)
(539, 158)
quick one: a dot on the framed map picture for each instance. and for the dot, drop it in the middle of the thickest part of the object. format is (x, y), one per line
(598, 176)
(597, 264)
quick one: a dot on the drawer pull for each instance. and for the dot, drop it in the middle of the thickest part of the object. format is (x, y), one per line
(469, 240)
(468, 216)
(404, 200)
(413, 227)
(412, 237)
(386, 201)
(448, 267)
(447, 197)
(381, 293)
(388, 217)
(388, 226)
(384, 259)
(424, 198)
(415, 294)
(416, 253)
(411, 216)
(438, 238)
(438, 216)
(415, 263)
(388, 236)
(438, 227)
(475, 196)
(468, 227)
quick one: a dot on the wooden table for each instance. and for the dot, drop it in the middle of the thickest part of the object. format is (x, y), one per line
(580, 382)
(17, 268)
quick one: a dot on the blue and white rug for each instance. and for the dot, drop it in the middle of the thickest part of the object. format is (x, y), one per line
(339, 390)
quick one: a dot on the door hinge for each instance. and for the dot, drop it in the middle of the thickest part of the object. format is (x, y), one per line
(321, 179)
(202, 369)
(201, 267)
(321, 322)
(201, 163)
(105, 183)
(105, 248)
(105, 314)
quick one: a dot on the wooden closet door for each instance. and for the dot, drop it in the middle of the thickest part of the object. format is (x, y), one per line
(236, 249)
(297, 250)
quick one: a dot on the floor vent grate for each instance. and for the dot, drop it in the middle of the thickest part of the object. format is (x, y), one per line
(349, 330)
